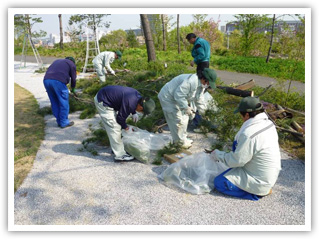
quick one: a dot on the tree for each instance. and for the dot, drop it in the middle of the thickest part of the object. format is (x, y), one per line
(117, 39)
(250, 26)
(23, 25)
(164, 31)
(93, 21)
(148, 38)
(178, 34)
(61, 31)
(209, 30)
(271, 38)
(131, 39)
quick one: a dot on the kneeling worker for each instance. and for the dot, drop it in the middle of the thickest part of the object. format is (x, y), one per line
(255, 160)
(175, 97)
(115, 104)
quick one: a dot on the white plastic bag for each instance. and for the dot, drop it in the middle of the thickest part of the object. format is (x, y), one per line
(194, 173)
(144, 145)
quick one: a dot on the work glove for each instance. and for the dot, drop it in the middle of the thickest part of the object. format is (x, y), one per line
(192, 63)
(129, 129)
(135, 117)
(213, 155)
(113, 73)
(192, 116)
(188, 111)
(73, 90)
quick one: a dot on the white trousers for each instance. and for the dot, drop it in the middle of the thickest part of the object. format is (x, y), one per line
(177, 123)
(100, 72)
(113, 129)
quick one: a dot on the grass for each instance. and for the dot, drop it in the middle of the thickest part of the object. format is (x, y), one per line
(28, 133)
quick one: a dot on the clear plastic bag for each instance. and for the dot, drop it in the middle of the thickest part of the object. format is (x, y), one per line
(194, 173)
(144, 145)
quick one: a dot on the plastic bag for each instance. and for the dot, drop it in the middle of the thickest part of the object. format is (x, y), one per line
(144, 145)
(194, 173)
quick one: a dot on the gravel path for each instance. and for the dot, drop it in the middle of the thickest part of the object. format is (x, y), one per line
(68, 186)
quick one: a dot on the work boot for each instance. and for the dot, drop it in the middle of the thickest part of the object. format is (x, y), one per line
(69, 125)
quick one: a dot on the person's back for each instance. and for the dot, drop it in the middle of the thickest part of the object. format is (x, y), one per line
(62, 70)
(201, 51)
(262, 169)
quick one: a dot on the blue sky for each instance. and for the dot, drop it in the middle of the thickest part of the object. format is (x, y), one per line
(122, 21)
(118, 21)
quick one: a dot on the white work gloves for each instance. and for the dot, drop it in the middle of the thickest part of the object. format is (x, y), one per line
(213, 155)
(188, 111)
(113, 73)
(192, 116)
(135, 117)
(129, 129)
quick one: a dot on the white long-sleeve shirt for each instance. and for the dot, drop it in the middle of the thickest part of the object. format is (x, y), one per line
(180, 91)
(104, 59)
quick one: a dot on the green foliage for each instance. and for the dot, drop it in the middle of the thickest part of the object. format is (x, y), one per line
(171, 148)
(131, 38)
(277, 68)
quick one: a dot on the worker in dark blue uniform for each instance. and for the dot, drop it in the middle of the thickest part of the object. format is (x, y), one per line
(115, 104)
(55, 81)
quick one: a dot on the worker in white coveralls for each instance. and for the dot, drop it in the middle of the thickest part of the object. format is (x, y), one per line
(175, 97)
(115, 104)
(103, 61)
(255, 160)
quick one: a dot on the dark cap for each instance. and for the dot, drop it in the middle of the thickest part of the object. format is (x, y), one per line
(71, 59)
(211, 76)
(119, 54)
(148, 105)
(249, 104)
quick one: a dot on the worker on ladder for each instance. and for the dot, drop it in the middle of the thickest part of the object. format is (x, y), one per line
(103, 61)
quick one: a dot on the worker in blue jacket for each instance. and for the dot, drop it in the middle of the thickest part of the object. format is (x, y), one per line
(115, 104)
(200, 53)
(55, 81)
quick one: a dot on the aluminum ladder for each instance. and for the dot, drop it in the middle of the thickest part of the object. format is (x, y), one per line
(27, 38)
(92, 47)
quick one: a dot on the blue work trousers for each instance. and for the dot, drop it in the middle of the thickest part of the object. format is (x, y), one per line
(59, 97)
(223, 185)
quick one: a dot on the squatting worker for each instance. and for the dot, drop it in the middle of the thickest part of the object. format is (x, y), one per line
(200, 52)
(55, 81)
(255, 160)
(175, 97)
(103, 61)
(115, 104)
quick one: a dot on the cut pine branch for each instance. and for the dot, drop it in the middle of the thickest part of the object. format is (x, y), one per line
(246, 85)
(236, 92)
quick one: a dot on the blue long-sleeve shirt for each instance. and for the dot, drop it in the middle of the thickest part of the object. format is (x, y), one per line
(124, 100)
(62, 70)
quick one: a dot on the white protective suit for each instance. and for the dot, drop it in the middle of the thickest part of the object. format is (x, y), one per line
(174, 99)
(256, 161)
(101, 61)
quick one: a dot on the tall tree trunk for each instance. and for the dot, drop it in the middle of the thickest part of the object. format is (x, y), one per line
(271, 40)
(61, 31)
(164, 32)
(29, 30)
(148, 37)
(178, 34)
